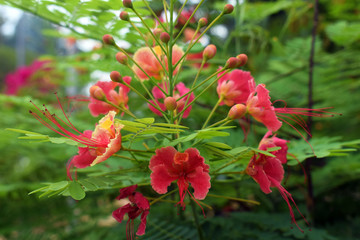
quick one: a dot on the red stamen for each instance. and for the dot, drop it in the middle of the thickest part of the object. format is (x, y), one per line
(196, 202)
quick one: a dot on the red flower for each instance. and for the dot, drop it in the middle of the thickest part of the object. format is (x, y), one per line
(260, 107)
(268, 171)
(138, 205)
(179, 91)
(234, 87)
(118, 98)
(169, 165)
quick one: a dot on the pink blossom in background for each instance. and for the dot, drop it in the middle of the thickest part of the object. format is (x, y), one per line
(138, 205)
(235, 87)
(179, 91)
(117, 97)
(168, 165)
(150, 64)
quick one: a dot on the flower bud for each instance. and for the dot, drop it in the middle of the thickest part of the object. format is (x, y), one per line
(237, 111)
(164, 37)
(124, 16)
(209, 52)
(127, 3)
(170, 103)
(228, 9)
(108, 39)
(115, 76)
(97, 93)
(157, 32)
(203, 22)
(243, 59)
(121, 58)
(232, 62)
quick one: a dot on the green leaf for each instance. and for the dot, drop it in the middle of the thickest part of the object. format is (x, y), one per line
(76, 191)
(146, 120)
(218, 145)
(59, 185)
(343, 33)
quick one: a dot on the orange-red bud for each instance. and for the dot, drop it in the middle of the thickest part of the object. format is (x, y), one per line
(127, 3)
(209, 52)
(157, 32)
(108, 39)
(121, 58)
(243, 59)
(97, 93)
(237, 111)
(164, 37)
(115, 76)
(203, 22)
(170, 103)
(124, 16)
(232, 62)
(228, 9)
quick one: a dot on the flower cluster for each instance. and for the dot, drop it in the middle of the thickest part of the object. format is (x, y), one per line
(172, 158)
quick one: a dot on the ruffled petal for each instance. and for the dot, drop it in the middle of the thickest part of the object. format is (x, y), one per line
(127, 191)
(141, 201)
(261, 178)
(200, 182)
(83, 159)
(274, 169)
(160, 178)
(142, 226)
(163, 156)
(119, 213)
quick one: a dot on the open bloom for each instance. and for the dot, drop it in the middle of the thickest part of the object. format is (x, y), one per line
(179, 91)
(117, 98)
(169, 165)
(260, 107)
(150, 63)
(138, 205)
(268, 171)
(100, 144)
(234, 87)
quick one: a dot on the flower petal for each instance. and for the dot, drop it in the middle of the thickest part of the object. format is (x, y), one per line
(200, 182)
(160, 178)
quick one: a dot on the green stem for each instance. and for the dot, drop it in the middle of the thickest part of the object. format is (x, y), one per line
(196, 220)
(163, 196)
(219, 122)
(181, 9)
(149, 30)
(127, 111)
(146, 43)
(188, 21)
(170, 48)
(154, 14)
(206, 29)
(213, 111)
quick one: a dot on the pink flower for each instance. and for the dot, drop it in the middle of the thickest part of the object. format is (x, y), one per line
(169, 165)
(150, 64)
(260, 107)
(138, 205)
(179, 91)
(118, 98)
(22, 76)
(100, 144)
(235, 87)
(107, 139)
(268, 171)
